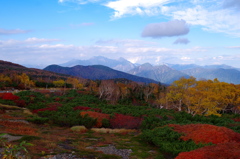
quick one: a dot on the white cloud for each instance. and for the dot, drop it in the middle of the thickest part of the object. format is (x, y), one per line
(234, 47)
(126, 42)
(78, 1)
(12, 31)
(185, 58)
(28, 41)
(212, 15)
(37, 40)
(225, 21)
(181, 41)
(56, 46)
(220, 16)
(166, 29)
(132, 7)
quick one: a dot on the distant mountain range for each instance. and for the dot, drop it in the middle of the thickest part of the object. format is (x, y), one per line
(166, 73)
(161, 73)
(120, 64)
(225, 75)
(103, 68)
(95, 72)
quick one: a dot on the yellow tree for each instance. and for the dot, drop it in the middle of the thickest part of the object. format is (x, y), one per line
(25, 80)
(92, 87)
(73, 81)
(209, 97)
(231, 97)
(162, 101)
(59, 83)
(179, 91)
(4, 80)
(201, 99)
(79, 86)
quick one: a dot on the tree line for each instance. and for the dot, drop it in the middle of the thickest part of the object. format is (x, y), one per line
(203, 97)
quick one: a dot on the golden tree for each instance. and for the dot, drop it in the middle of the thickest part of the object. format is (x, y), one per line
(25, 80)
(59, 83)
(73, 81)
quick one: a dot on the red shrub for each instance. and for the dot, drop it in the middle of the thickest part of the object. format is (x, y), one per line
(81, 108)
(87, 108)
(9, 96)
(236, 119)
(55, 104)
(96, 115)
(45, 109)
(125, 121)
(219, 151)
(57, 99)
(1, 95)
(20, 103)
(51, 107)
(205, 133)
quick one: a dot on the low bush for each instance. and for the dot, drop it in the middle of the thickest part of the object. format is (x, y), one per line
(205, 133)
(125, 121)
(38, 120)
(219, 151)
(98, 116)
(168, 140)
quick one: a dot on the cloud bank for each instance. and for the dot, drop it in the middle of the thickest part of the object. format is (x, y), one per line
(166, 29)
(36, 51)
(12, 31)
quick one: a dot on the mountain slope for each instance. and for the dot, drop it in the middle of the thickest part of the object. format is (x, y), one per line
(120, 64)
(162, 73)
(223, 75)
(96, 72)
(10, 68)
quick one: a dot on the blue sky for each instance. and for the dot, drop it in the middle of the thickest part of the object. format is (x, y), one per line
(43, 32)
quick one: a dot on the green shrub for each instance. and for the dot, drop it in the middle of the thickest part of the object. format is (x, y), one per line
(7, 102)
(153, 122)
(106, 123)
(168, 141)
(38, 120)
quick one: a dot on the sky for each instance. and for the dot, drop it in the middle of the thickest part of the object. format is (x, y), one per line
(37, 33)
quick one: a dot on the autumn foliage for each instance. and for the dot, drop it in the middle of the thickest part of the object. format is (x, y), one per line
(51, 107)
(219, 151)
(87, 108)
(205, 133)
(125, 121)
(9, 96)
(96, 115)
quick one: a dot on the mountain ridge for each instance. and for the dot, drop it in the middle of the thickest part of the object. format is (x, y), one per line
(161, 73)
(96, 72)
